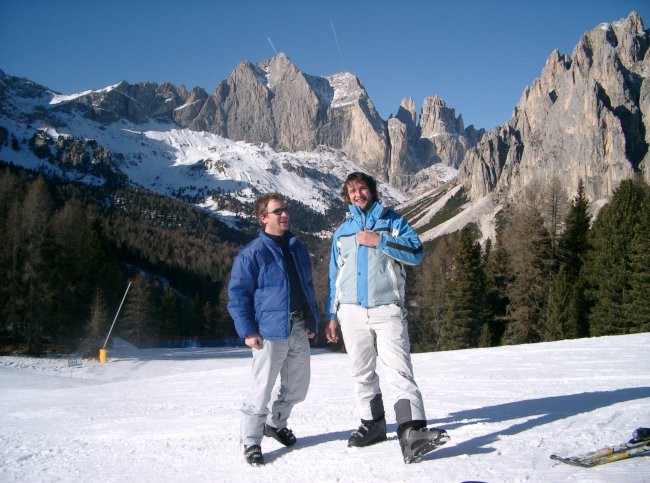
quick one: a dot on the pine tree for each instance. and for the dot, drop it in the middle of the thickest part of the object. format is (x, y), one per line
(73, 289)
(607, 268)
(498, 274)
(567, 313)
(574, 243)
(531, 254)
(36, 212)
(637, 297)
(170, 314)
(554, 208)
(97, 325)
(485, 337)
(426, 294)
(136, 323)
(465, 296)
(558, 315)
(13, 290)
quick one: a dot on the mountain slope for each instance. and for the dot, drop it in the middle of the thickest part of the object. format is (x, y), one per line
(216, 173)
(586, 117)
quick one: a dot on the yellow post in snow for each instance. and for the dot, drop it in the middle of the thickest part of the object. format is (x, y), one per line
(102, 356)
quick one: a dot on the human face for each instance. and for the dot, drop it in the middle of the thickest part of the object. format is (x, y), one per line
(276, 220)
(359, 194)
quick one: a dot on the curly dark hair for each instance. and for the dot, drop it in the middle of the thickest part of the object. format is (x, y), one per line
(364, 178)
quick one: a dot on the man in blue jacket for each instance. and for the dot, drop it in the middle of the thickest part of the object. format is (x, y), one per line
(272, 301)
(367, 278)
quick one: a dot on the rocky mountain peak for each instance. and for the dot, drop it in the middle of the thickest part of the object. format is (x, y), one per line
(408, 116)
(585, 117)
(279, 69)
(436, 118)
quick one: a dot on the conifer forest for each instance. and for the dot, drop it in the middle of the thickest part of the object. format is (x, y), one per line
(68, 252)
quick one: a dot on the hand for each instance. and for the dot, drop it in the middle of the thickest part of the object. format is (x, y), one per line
(368, 238)
(330, 332)
(254, 341)
(310, 334)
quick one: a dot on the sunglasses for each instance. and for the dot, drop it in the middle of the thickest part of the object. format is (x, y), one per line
(279, 211)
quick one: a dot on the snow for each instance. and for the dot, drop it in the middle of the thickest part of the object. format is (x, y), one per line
(166, 159)
(59, 98)
(172, 415)
(482, 212)
(346, 88)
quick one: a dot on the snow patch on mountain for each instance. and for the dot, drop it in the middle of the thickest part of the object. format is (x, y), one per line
(346, 89)
(59, 98)
(184, 163)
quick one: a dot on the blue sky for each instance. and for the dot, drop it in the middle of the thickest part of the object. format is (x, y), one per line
(476, 55)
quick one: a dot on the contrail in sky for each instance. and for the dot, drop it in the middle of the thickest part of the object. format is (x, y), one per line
(338, 47)
(272, 46)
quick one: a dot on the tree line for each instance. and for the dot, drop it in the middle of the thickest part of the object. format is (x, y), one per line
(550, 274)
(68, 251)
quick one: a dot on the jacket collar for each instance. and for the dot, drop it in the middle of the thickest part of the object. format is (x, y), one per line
(368, 218)
(267, 239)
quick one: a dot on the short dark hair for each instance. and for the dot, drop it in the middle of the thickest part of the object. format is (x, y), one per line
(262, 203)
(363, 177)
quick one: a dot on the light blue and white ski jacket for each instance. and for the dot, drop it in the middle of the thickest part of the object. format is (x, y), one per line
(366, 276)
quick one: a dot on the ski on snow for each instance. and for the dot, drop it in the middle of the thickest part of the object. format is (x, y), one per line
(639, 445)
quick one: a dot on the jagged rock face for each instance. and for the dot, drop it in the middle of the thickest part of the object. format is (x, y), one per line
(294, 105)
(352, 123)
(436, 118)
(443, 137)
(135, 102)
(439, 138)
(183, 115)
(273, 102)
(399, 153)
(408, 116)
(586, 116)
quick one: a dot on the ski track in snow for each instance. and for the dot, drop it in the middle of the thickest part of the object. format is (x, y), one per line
(173, 415)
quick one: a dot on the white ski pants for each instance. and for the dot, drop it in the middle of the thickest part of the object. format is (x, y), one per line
(380, 333)
(288, 358)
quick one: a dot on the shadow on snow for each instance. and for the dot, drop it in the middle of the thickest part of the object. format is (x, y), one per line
(540, 411)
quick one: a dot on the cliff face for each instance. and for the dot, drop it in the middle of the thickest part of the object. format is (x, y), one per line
(586, 116)
(438, 138)
(273, 102)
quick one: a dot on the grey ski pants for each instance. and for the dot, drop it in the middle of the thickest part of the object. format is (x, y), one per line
(288, 358)
(380, 333)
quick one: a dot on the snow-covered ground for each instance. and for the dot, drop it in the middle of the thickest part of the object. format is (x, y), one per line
(172, 415)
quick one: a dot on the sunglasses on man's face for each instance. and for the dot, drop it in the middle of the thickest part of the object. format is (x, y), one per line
(279, 211)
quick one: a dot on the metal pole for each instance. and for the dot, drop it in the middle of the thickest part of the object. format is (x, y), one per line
(118, 311)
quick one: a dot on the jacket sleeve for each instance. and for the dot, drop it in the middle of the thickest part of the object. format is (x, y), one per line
(402, 243)
(309, 282)
(241, 295)
(333, 271)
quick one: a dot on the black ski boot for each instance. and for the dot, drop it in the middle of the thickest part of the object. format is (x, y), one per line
(253, 455)
(283, 435)
(370, 432)
(416, 442)
(640, 434)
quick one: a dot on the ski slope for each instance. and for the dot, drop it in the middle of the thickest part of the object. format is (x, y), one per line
(172, 415)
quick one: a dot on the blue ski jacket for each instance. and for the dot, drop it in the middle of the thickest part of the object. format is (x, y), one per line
(258, 291)
(366, 276)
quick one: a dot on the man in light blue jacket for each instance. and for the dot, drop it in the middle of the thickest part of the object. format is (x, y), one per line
(367, 277)
(272, 301)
